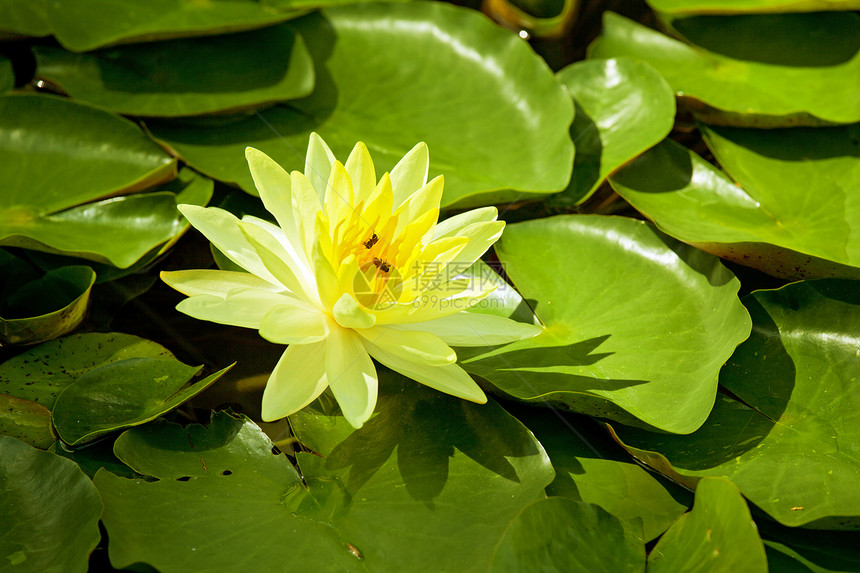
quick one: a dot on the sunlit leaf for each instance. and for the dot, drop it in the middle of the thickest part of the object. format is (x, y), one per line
(623, 107)
(590, 467)
(50, 511)
(773, 70)
(637, 325)
(169, 78)
(776, 225)
(789, 440)
(84, 25)
(392, 75)
(717, 536)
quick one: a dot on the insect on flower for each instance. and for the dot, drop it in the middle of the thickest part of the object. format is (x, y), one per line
(355, 269)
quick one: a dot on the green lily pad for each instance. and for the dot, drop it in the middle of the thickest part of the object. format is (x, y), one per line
(637, 325)
(717, 536)
(749, 6)
(37, 308)
(27, 421)
(429, 480)
(559, 534)
(143, 227)
(623, 107)
(85, 25)
(60, 155)
(440, 476)
(774, 225)
(789, 440)
(125, 393)
(42, 372)
(779, 169)
(23, 18)
(228, 498)
(757, 70)
(437, 67)
(50, 511)
(167, 78)
(590, 467)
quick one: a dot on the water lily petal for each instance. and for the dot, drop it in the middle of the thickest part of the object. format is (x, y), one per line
(219, 283)
(306, 205)
(450, 379)
(437, 302)
(282, 263)
(481, 237)
(410, 173)
(294, 323)
(410, 345)
(240, 307)
(351, 375)
(379, 207)
(222, 229)
(339, 194)
(274, 185)
(452, 226)
(361, 171)
(473, 329)
(318, 164)
(297, 380)
(425, 200)
(349, 314)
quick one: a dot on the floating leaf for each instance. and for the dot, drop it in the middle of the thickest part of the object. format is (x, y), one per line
(559, 534)
(637, 325)
(391, 75)
(84, 25)
(61, 154)
(717, 536)
(623, 107)
(430, 479)
(125, 393)
(143, 227)
(440, 476)
(27, 421)
(167, 78)
(38, 308)
(42, 372)
(780, 229)
(772, 70)
(590, 467)
(50, 511)
(789, 441)
(749, 6)
(23, 18)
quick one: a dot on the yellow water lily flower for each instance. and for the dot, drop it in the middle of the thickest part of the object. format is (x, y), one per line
(355, 268)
